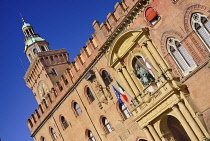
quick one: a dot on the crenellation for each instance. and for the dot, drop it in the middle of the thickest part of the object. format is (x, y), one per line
(58, 86)
(129, 3)
(45, 104)
(78, 62)
(119, 11)
(40, 110)
(49, 97)
(29, 123)
(56, 59)
(36, 115)
(105, 29)
(98, 35)
(84, 54)
(61, 58)
(64, 84)
(91, 46)
(33, 119)
(111, 21)
(74, 68)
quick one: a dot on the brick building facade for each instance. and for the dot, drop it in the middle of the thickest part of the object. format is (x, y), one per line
(158, 51)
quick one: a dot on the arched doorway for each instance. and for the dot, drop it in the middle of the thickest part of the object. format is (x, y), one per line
(172, 129)
(177, 130)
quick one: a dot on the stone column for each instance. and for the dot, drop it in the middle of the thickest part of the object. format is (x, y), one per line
(148, 134)
(156, 54)
(191, 121)
(130, 80)
(98, 75)
(124, 81)
(154, 133)
(184, 123)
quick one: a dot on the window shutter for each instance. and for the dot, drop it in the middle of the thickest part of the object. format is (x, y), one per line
(205, 35)
(186, 55)
(150, 14)
(207, 25)
(180, 60)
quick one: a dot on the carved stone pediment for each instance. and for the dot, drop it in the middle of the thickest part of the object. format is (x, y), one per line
(124, 43)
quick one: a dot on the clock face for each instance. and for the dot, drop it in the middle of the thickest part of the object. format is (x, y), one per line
(42, 89)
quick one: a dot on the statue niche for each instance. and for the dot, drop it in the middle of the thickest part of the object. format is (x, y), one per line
(99, 91)
(141, 71)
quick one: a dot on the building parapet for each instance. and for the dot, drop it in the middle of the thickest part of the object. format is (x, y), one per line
(87, 56)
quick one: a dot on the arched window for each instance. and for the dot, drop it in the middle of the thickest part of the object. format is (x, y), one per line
(35, 51)
(151, 15)
(53, 72)
(29, 56)
(106, 125)
(125, 111)
(43, 139)
(90, 136)
(64, 122)
(106, 77)
(43, 48)
(53, 134)
(201, 25)
(77, 109)
(180, 55)
(90, 96)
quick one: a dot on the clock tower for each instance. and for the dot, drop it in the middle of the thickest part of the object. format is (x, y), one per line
(46, 65)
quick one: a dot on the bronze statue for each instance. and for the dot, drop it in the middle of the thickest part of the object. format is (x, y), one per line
(143, 75)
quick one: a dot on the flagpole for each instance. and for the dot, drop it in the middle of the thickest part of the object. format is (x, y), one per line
(128, 95)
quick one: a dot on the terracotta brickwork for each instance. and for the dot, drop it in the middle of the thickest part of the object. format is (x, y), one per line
(115, 43)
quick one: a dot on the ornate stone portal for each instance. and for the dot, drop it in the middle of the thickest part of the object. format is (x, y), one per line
(159, 97)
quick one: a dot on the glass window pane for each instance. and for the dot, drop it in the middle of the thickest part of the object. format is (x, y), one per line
(109, 127)
(180, 60)
(186, 55)
(205, 35)
(207, 25)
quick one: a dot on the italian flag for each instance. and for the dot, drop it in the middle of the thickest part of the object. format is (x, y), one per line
(122, 92)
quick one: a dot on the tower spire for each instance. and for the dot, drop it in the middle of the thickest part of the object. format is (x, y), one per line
(22, 18)
(33, 42)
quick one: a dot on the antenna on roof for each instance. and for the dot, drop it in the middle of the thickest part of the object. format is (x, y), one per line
(22, 21)
(22, 66)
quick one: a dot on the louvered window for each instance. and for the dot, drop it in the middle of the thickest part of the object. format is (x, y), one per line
(180, 55)
(201, 25)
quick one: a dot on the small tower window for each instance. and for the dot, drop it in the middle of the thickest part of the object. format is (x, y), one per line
(35, 51)
(43, 48)
(29, 56)
(53, 72)
(27, 33)
(151, 16)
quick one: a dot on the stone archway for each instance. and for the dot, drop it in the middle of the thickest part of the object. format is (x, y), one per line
(172, 129)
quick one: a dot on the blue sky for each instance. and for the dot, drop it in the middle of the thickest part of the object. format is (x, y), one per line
(64, 24)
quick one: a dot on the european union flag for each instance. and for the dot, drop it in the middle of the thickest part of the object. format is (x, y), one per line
(117, 93)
